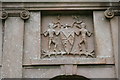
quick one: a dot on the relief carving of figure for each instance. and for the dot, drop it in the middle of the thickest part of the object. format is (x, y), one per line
(67, 35)
(51, 32)
(84, 32)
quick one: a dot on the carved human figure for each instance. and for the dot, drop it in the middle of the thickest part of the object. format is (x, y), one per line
(84, 32)
(65, 36)
(51, 31)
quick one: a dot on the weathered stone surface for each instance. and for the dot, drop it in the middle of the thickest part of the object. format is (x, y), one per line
(103, 37)
(71, 61)
(41, 72)
(118, 48)
(13, 48)
(114, 29)
(1, 39)
(0, 73)
(100, 71)
(69, 69)
(32, 38)
(87, 71)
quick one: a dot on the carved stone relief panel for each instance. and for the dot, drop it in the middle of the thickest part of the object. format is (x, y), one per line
(67, 34)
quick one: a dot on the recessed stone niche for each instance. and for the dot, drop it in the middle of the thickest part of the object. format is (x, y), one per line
(67, 34)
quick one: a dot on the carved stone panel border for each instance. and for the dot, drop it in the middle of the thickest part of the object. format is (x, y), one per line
(55, 28)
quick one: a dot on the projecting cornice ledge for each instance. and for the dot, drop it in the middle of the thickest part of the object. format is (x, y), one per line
(59, 0)
(11, 6)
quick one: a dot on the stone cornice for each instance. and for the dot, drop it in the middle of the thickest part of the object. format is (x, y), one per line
(59, 0)
(15, 8)
(11, 6)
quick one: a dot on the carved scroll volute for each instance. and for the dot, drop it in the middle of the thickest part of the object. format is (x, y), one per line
(109, 13)
(25, 15)
(4, 15)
